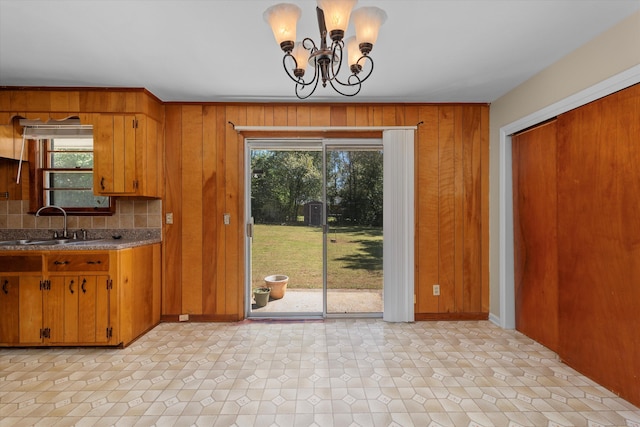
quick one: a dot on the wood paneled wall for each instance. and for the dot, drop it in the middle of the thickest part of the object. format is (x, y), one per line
(204, 259)
(59, 103)
(583, 175)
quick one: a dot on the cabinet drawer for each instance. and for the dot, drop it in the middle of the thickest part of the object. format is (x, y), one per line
(78, 262)
(26, 263)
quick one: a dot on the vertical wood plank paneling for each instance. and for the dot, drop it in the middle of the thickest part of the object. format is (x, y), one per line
(448, 180)
(192, 214)
(255, 115)
(303, 115)
(210, 208)
(292, 116)
(38, 101)
(268, 115)
(535, 233)
(234, 282)
(459, 213)
(351, 115)
(5, 101)
(338, 115)
(427, 210)
(221, 233)
(321, 116)
(410, 116)
(471, 212)
(280, 115)
(172, 250)
(58, 101)
(236, 305)
(447, 214)
(362, 115)
(377, 115)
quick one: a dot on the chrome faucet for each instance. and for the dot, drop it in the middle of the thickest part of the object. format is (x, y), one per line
(65, 233)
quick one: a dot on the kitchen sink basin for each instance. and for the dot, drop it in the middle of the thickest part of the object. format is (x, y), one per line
(15, 242)
(47, 242)
(31, 242)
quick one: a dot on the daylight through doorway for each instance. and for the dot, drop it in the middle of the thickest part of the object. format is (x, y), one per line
(314, 222)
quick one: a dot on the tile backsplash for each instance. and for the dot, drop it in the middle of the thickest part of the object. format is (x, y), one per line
(130, 214)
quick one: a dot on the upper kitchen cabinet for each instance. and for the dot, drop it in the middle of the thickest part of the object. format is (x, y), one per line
(127, 127)
(127, 155)
(10, 138)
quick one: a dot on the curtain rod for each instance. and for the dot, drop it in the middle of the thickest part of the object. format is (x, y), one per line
(319, 128)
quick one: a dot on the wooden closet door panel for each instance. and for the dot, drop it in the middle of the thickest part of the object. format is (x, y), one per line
(599, 231)
(535, 233)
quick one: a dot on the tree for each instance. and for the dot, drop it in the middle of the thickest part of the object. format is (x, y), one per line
(282, 182)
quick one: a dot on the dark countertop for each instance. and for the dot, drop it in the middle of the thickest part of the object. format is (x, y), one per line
(81, 245)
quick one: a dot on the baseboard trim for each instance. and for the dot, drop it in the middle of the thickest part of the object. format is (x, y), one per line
(195, 318)
(451, 316)
(494, 319)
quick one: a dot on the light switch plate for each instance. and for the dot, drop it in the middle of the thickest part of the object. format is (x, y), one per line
(227, 219)
(169, 218)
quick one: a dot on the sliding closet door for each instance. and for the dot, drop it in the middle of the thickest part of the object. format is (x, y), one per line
(599, 236)
(535, 233)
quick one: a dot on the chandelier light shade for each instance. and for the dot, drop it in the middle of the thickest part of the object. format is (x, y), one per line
(336, 15)
(326, 60)
(283, 19)
(368, 21)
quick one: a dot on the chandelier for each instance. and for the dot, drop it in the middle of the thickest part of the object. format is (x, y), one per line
(327, 60)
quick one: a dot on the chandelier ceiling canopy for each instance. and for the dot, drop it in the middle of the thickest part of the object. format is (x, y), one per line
(325, 59)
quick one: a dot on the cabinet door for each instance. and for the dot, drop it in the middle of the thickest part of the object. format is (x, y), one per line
(149, 157)
(9, 326)
(53, 310)
(93, 309)
(30, 306)
(61, 309)
(114, 148)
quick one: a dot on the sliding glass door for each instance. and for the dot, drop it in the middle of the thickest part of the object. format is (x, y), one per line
(314, 228)
(353, 194)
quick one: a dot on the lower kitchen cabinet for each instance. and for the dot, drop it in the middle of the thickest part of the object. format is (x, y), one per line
(84, 298)
(77, 309)
(9, 324)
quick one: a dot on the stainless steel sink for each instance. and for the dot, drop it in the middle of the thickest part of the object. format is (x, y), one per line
(15, 242)
(46, 242)
(84, 242)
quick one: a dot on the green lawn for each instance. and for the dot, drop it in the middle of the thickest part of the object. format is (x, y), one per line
(354, 256)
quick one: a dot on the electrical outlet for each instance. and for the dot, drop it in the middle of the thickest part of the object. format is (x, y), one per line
(226, 219)
(169, 218)
(183, 317)
(436, 290)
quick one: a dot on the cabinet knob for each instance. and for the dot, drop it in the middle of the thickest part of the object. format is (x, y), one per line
(94, 262)
(4, 287)
(71, 286)
(102, 184)
(84, 282)
(61, 262)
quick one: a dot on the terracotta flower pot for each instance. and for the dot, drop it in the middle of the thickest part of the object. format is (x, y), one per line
(278, 285)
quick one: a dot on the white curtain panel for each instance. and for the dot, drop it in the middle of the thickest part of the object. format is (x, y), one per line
(398, 225)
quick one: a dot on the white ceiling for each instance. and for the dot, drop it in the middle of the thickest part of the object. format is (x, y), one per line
(222, 50)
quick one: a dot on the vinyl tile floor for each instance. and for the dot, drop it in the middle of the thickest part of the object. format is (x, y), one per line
(337, 372)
